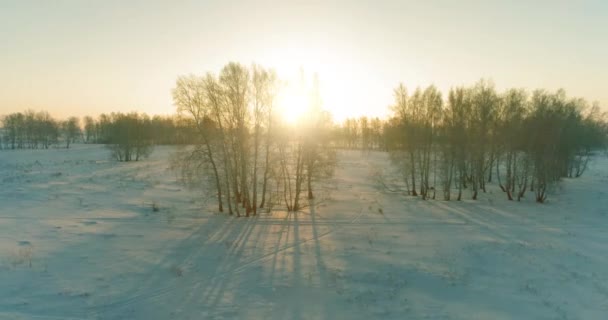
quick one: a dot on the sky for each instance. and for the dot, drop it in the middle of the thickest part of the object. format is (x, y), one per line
(85, 57)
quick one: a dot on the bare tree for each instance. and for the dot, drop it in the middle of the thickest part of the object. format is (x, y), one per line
(71, 130)
(90, 130)
(263, 96)
(190, 97)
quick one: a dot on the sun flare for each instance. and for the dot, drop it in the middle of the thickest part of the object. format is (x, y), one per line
(293, 105)
(294, 100)
(308, 70)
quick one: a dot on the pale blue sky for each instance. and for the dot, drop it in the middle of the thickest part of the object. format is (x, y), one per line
(86, 57)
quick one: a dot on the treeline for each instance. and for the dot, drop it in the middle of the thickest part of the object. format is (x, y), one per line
(360, 133)
(159, 130)
(38, 130)
(251, 156)
(526, 141)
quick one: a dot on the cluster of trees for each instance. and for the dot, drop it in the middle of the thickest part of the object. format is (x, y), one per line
(360, 133)
(163, 130)
(254, 158)
(34, 130)
(129, 136)
(527, 141)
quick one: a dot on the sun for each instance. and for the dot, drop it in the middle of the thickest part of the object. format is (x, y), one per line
(340, 91)
(293, 104)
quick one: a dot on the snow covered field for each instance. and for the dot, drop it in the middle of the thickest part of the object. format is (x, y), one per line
(79, 240)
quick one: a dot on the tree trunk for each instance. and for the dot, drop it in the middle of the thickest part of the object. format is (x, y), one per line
(309, 185)
(413, 173)
(254, 205)
(216, 174)
(498, 174)
(263, 202)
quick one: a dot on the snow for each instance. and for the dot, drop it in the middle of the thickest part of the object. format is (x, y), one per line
(79, 240)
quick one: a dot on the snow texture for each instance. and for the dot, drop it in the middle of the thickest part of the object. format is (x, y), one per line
(79, 240)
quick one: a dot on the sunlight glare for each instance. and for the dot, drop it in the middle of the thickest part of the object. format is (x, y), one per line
(298, 67)
(293, 104)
